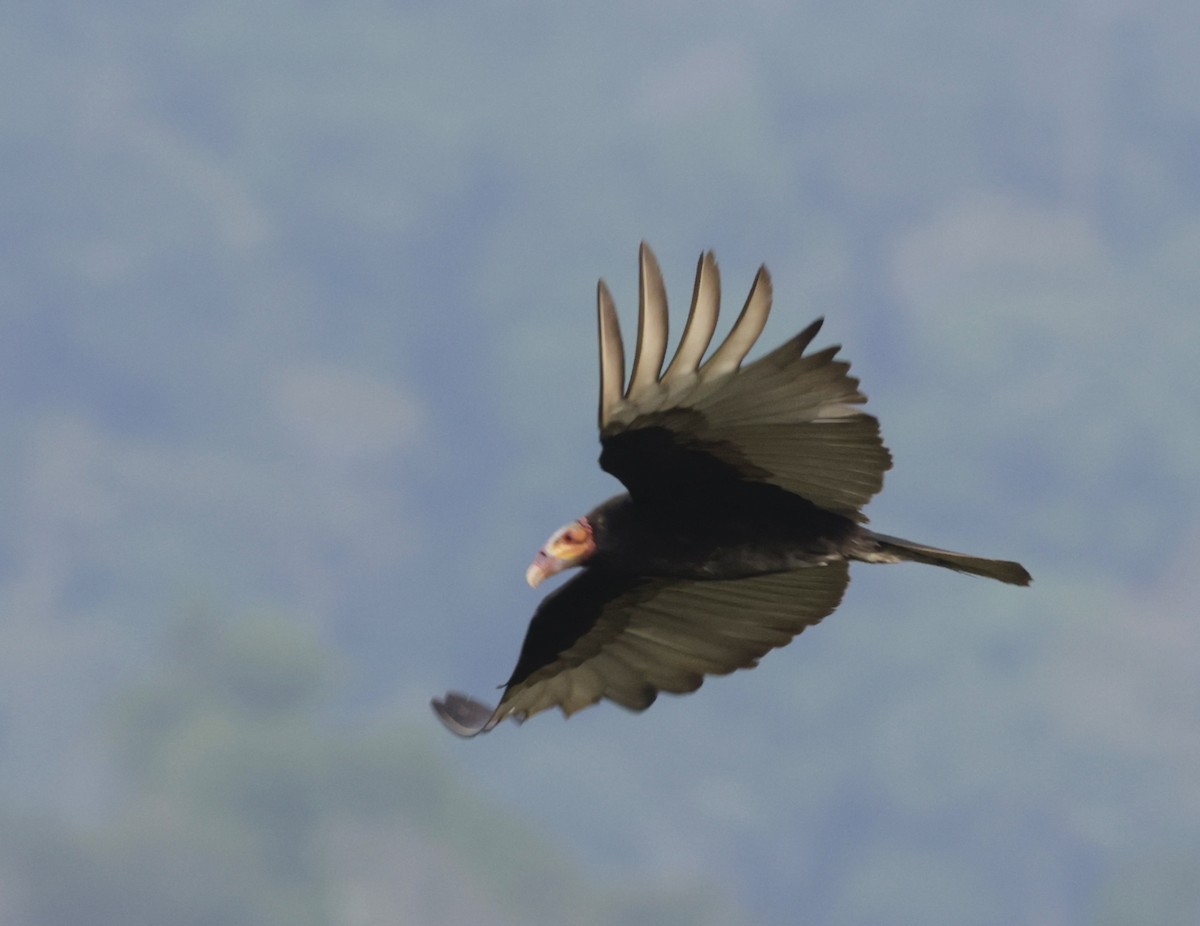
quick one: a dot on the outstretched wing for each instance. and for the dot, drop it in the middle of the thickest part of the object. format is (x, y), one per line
(625, 639)
(790, 419)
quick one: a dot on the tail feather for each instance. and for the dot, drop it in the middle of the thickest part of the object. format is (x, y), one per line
(880, 548)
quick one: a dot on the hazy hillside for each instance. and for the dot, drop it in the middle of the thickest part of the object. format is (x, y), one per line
(296, 319)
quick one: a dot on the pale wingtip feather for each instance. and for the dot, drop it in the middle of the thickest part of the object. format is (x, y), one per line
(652, 323)
(746, 330)
(463, 715)
(612, 354)
(701, 320)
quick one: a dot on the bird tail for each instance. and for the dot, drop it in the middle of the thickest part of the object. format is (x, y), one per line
(880, 548)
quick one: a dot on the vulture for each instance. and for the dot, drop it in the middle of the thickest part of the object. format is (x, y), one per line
(742, 511)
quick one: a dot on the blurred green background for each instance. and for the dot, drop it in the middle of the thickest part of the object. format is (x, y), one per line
(297, 370)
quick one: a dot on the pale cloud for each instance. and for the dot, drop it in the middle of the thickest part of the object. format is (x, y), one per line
(989, 234)
(343, 416)
(713, 74)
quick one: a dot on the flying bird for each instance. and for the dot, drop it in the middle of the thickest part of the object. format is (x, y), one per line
(745, 488)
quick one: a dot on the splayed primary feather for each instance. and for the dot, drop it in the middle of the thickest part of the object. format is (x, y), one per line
(688, 372)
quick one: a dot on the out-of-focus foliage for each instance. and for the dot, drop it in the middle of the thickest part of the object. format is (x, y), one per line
(296, 317)
(244, 801)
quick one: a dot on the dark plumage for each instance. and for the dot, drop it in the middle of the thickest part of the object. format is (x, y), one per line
(745, 489)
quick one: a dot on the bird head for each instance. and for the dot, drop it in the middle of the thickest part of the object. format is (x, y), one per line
(568, 546)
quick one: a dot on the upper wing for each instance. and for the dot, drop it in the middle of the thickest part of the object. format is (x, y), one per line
(626, 639)
(789, 419)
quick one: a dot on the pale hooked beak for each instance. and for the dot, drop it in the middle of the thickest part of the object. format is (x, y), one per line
(543, 566)
(569, 546)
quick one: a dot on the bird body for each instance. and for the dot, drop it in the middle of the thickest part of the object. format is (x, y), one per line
(743, 509)
(756, 529)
